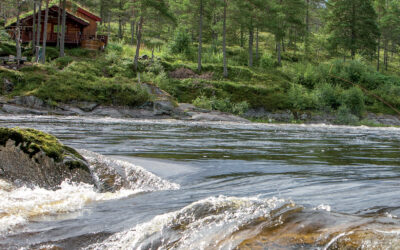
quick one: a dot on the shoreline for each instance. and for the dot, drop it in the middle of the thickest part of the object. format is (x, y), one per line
(161, 110)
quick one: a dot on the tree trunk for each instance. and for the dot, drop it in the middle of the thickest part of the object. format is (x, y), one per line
(18, 32)
(139, 38)
(353, 32)
(58, 24)
(283, 45)
(102, 12)
(251, 38)
(133, 31)
(46, 20)
(64, 18)
(224, 41)
(120, 20)
(386, 56)
(306, 41)
(39, 31)
(241, 37)
(278, 48)
(109, 24)
(379, 55)
(257, 46)
(200, 36)
(34, 27)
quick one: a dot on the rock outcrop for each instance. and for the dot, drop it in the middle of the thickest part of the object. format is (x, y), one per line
(33, 158)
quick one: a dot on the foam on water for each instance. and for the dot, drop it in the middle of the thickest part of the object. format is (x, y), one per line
(136, 177)
(21, 205)
(204, 224)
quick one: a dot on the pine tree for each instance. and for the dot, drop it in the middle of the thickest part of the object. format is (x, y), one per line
(352, 26)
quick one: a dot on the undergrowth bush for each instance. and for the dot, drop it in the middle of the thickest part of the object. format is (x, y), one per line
(344, 116)
(63, 62)
(354, 100)
(326, 96)
(267, 62)
(300, 98)
(224, 105)
(181, 42)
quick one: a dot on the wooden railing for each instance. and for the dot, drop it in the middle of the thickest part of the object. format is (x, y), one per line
(69, 38)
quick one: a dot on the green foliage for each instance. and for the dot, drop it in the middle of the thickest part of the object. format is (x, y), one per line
(7, 48)
(224, 105)
(300, 98)
(327, 97)
(51, 53)
(353, 26)
(267, 62)
(354, 100)
(80, 52)
(181, 42)
(32, 141)
(344, 116)
(63, 62)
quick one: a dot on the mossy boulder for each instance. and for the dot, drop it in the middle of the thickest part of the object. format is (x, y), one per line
(34, 158)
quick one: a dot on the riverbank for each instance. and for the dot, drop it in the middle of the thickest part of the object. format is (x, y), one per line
(167, 109)
(87, 83)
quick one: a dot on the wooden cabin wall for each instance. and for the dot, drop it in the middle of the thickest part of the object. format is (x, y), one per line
(92, 28)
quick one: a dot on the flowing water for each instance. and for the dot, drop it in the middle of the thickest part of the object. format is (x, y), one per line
(214, 186)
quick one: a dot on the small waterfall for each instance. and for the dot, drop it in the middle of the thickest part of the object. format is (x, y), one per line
(114, 179)
(254, 223)
(205, 224)
(111, 175)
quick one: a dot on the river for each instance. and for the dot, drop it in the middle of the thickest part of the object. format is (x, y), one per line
(222, 186)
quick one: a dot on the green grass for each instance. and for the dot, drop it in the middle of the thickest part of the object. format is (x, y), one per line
(299, 85)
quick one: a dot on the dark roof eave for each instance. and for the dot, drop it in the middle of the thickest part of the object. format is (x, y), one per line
(53, 8)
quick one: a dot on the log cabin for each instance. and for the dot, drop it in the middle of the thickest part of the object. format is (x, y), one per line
(81, 28)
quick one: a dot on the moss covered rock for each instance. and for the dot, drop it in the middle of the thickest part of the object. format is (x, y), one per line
(34, 158)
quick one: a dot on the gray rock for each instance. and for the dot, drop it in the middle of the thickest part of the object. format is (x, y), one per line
(28, 101)
(106, 111)
(8, 86)
(186, 107)
(3, 100)
(163, 107)
(87, 106)
(11, 109)
(279, 116)
(384, 119)
(40, 170)
(217, 116)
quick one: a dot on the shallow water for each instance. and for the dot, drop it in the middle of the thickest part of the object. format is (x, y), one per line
(232, 186)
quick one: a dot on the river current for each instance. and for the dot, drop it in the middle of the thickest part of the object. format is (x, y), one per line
(214, 185)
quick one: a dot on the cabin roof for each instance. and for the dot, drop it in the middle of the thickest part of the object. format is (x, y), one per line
(71, 5)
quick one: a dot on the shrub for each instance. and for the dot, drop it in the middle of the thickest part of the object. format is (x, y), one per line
(115, 47)
(344, 116)
(224, 105)
(327, 97)
(155, 67)
(299, 97)
(354, 100)
(51, 53)
(181, 41)
(63, 62)
(267, 62)
(203, 102)
(80, 52)
(7, 49)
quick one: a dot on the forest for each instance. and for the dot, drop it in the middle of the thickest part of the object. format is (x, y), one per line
(307, 56)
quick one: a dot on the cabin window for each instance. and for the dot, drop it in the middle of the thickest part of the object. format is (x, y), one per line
(57, 27)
